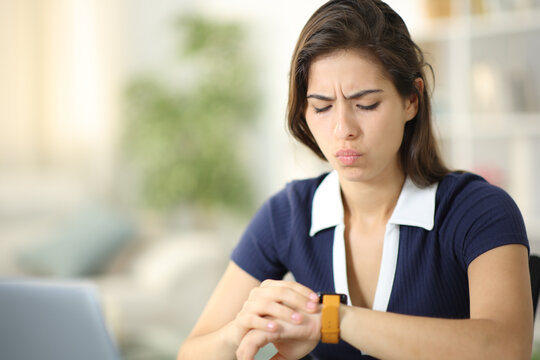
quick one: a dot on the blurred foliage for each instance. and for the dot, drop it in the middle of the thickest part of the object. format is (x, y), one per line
(183, 139)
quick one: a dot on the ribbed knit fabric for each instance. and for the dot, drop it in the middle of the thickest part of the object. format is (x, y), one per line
(471, 217)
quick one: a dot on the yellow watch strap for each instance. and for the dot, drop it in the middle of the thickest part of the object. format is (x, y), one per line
(330, 318)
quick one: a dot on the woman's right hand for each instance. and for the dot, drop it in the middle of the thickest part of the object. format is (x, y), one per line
(291, 341)
(272, 302)
(241, 303)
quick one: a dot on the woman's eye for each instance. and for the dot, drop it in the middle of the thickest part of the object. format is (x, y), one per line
(369, 107)
(320, 110)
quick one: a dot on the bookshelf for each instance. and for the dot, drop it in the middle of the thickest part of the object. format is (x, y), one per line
(487, 92)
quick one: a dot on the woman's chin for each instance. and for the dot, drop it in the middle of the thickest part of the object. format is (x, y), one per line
(353, 174)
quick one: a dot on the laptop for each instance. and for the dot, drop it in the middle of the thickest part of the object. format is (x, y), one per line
(52, 321)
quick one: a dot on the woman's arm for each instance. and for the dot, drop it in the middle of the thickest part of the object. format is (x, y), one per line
(214, 335)
(241, 303)
(501, 324)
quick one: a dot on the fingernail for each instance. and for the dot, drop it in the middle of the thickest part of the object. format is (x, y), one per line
(313, 297)
(311, 305)
(271, 326)
(296, 317)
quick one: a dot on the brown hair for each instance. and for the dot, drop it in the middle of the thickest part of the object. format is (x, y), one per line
(373, 26)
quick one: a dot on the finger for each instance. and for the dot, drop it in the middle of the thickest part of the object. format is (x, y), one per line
(276, 310)
(296, 286)
(249, 320)
(252, 342)
(278, 356)
(292, 294)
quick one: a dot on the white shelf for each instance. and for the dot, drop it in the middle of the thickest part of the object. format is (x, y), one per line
(478, 26)
(506, 126)
(500, 23)
(487, 78)
(492, 126)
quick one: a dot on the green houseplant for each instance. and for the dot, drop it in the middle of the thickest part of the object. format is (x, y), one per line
(182, 137)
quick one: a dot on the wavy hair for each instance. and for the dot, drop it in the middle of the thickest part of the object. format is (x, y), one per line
(372, 26)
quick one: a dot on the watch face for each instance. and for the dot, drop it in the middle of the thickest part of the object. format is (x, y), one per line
(342, 297)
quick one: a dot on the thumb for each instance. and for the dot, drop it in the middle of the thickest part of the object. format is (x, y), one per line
(278, 356)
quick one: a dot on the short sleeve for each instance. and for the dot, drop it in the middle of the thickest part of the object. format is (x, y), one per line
(257, 251)
(487, 218)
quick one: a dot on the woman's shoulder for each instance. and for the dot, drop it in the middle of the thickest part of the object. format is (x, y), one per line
(466, 191)
(477, 216)
(460, 182)
(297, 193)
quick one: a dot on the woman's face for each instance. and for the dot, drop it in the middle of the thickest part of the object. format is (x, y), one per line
(356, 115)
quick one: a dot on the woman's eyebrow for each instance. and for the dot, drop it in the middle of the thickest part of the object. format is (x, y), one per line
(356, 95)
(361, 93)
(319, 97)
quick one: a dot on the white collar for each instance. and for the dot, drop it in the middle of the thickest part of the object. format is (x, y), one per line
(415, 206)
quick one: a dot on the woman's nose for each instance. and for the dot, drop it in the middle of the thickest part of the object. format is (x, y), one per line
(345, 126)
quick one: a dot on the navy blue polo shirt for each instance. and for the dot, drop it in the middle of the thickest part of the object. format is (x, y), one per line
(433, 235)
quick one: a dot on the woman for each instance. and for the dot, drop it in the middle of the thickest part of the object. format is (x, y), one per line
(434, 263)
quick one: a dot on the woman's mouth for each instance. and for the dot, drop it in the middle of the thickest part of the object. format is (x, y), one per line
(348, 157)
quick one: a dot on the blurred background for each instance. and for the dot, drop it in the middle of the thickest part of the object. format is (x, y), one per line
(138, 138)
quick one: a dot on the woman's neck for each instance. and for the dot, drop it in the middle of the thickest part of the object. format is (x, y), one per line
(372, 202)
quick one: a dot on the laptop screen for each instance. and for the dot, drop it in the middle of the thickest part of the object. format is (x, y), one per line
(56, 321)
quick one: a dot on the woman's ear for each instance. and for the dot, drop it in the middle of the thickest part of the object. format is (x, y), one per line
(412, 101)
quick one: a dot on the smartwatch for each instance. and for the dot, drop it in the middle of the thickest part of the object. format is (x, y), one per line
(330, 316)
